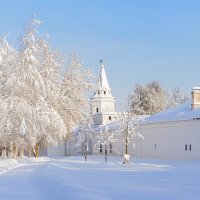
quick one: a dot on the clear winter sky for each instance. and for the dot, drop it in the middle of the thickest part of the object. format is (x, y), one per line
(139, 40)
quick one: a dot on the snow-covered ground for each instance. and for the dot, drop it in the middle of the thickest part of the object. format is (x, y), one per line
(7, 165)
(72, 178)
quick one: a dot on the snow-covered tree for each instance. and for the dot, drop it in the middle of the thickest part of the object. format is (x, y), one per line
(128, 127)
(72, 100)
(105, 138)
(176, 97)
(41, 95)
(147, 99)
(84, 135)
(8, 56)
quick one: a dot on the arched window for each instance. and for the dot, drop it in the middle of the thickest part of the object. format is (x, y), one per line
(104, 92)
(110, 148)
(97, 109)
(98, 92)
(100, 148)
(110, 118)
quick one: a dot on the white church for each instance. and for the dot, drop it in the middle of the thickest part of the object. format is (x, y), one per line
(171, 134)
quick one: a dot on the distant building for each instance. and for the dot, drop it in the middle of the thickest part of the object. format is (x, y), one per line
(172, 134)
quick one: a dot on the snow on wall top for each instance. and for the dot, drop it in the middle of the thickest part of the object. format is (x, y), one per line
(182, 112)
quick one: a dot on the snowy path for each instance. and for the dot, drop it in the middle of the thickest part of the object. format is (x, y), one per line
(71, 178)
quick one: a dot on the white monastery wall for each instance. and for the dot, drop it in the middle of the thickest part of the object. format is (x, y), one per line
(170, 140)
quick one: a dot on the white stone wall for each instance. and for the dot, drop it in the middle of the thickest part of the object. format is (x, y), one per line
(167, 140)
(56, 151)
(62, 149)
(118, 147)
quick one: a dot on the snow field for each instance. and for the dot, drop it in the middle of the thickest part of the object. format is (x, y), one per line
(72, 178)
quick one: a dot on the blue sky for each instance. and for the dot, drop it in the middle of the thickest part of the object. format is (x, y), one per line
(139, 40)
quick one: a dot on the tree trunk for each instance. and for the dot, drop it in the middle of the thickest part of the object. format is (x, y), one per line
(36, 150)
(21, 153)
(4, 153)
(11, 152)
(126, 143)
(15, 152)
(29, 152)
(85, 152)
(106, 154)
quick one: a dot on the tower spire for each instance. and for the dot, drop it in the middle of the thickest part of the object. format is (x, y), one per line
(103, 81)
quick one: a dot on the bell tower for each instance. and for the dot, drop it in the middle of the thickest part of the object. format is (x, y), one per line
(102, 102)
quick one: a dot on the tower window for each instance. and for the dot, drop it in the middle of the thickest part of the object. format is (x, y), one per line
(110, 118)
(97, 109)
(185, 147)
(190, 147)
(98, 92)
(104, 92)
